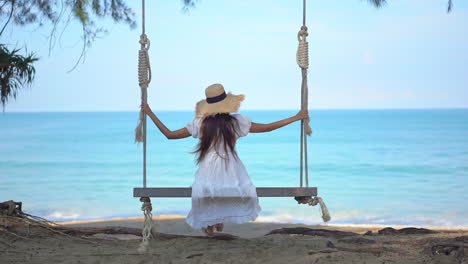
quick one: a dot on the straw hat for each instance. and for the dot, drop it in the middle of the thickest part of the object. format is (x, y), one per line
(217, 101)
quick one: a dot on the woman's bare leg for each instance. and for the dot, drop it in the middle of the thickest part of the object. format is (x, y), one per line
(219, 227)
(209, 231)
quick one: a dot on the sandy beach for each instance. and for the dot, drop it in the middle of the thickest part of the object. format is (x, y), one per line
(117, 241)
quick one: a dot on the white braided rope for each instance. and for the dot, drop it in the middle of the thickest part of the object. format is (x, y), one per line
(144, 67)
(302, 55)
(147, 224)
(302, 59)
(144, 78)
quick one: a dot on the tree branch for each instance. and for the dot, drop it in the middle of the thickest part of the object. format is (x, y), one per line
(9, 17)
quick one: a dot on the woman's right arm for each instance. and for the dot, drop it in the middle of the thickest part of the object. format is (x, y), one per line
(261, 128)
(177, 134)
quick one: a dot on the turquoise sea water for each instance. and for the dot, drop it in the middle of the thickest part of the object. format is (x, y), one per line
(388, 167)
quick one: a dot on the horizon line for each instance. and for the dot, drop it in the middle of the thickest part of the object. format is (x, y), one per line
(284, 109)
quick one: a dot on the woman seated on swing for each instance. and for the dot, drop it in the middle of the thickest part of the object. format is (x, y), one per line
(219, 168)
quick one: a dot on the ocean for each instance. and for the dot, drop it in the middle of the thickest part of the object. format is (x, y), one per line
(376, 167)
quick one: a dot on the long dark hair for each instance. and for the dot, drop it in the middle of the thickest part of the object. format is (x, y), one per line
(216, 130)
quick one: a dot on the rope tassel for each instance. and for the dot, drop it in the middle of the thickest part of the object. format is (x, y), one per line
(139, 128)
(318, 200)
(147, 224)
(313, 201)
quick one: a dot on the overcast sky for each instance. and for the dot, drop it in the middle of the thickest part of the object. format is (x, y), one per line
(409, 54)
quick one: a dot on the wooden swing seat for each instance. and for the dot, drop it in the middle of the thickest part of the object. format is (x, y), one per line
(183, 192)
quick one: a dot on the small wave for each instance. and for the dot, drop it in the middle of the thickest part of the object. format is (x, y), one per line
(55, 216)
(360, 218)
(355, 218)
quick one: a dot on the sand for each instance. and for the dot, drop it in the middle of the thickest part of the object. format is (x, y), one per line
(247, 243)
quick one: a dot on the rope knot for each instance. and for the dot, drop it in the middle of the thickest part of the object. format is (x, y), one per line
(146, 207)
(302, 34)
(144, 67)
(144, 41)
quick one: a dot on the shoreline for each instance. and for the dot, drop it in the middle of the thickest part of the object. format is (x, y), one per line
(180, 219)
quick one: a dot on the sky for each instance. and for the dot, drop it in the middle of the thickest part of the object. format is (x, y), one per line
(408, 54)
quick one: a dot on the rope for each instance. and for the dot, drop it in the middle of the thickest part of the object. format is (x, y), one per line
(302, 58)
(147, 224)
(302, 55)
(313, 201)
(304, 13)
(144, 79)
(318, 200)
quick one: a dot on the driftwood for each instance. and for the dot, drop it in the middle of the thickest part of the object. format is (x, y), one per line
(10, 208)
(20, 225)
(312, 232)
(14, 222)
(18, 230)
(118, 230)
(90, 231)
(406, 231)
(194, 255)
(342, 234)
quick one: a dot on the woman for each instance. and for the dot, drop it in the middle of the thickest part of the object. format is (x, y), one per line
(222, 191)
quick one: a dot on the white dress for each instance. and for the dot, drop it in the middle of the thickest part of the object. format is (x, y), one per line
(216, 178)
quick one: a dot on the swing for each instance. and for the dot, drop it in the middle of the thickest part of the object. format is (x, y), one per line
(302, 194)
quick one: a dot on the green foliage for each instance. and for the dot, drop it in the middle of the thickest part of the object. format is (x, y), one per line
(85, 11)
(16, 72)
(377, 3)
(58, 13)
(449, 6)
(380, 3)
(188, 4)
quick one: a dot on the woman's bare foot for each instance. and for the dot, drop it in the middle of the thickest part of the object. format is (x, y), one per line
(208, 231)
(219, 227)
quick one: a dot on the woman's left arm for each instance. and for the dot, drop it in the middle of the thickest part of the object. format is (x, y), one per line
(177, 134)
